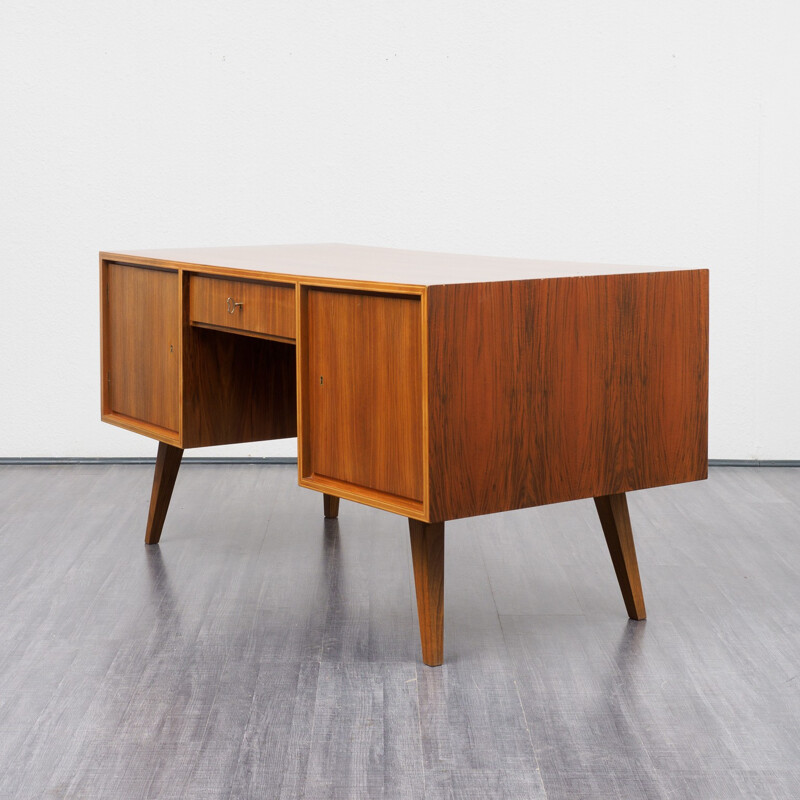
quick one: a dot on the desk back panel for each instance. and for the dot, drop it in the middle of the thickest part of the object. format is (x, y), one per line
(236, 389)
(549, 390)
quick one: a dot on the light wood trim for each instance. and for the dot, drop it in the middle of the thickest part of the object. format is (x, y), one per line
(366, 287)
(425, 384)
(301, 331)
(267, 277)
(183, 305)
(367, 497)
(104, 349)
(139, 426)
(251, 334)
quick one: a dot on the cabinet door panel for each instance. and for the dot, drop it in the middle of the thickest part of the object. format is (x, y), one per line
(364, 381)
(143, 330)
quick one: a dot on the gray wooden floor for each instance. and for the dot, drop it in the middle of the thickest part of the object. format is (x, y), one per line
(263, 652)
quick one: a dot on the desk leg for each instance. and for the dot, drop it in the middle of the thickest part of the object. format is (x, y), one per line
(167, 462)
(613, 512)
(330, 504)
(427, 555)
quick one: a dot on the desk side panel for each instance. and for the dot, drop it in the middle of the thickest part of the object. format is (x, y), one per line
(543, 391)
(667, 402)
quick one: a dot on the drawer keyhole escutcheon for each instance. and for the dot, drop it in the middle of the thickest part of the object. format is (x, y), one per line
(232, 305)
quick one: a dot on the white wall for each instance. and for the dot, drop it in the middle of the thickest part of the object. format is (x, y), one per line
(643, 132)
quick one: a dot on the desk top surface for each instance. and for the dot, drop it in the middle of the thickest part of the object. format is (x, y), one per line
(375, 264)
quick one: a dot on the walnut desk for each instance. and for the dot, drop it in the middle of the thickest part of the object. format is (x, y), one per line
(434, 386)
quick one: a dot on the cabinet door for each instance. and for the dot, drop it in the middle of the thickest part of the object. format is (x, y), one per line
(364, 383)
(142, 337)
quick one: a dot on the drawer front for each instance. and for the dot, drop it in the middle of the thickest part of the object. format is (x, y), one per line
(264, 309)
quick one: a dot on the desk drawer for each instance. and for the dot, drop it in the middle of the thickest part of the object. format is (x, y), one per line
(250, 307)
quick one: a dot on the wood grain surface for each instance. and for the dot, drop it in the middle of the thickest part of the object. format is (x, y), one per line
(458, 400)
(553, 390)
(330, 505)
(362, 387)
(236, 389)
(168, 461)
(667, 405)
(141, 353)
(616, 523)
(263, 308)
(427, 555)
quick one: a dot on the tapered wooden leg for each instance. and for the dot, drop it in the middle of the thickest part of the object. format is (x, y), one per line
(427, 554)
(330, 505)
(616, 522)
(168, 461)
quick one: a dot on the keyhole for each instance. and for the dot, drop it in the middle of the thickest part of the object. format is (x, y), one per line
(320, 380)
